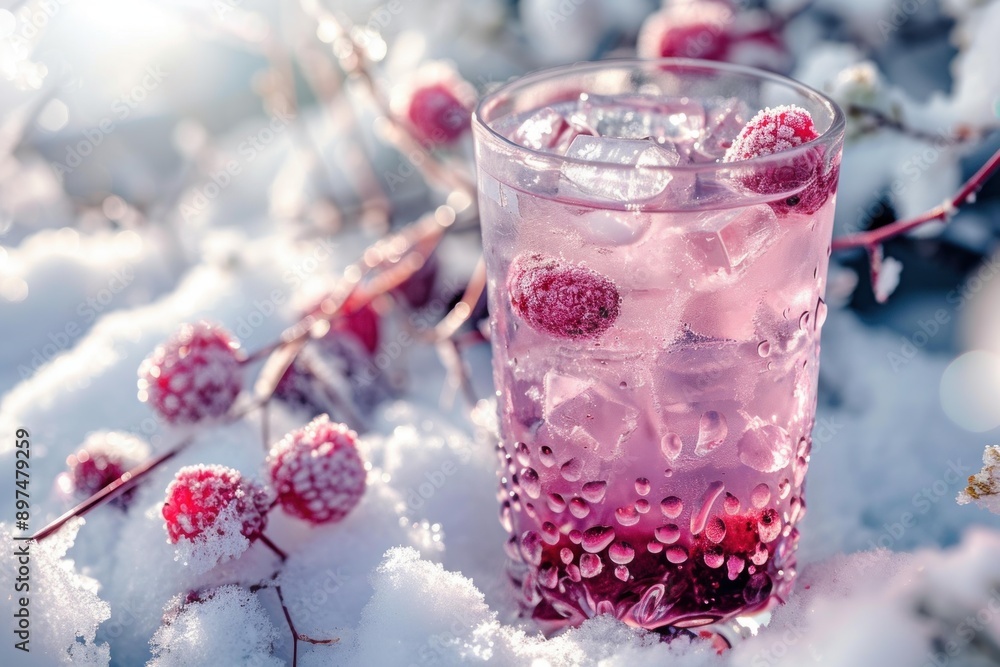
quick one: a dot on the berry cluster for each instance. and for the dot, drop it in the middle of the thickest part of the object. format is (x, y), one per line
(315, 474)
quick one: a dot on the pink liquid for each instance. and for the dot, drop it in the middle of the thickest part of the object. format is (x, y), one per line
(655, 472)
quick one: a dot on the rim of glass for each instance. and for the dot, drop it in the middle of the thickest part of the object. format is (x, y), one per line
(835, 130)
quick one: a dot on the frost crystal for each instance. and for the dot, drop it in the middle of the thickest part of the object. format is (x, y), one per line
(984, 486)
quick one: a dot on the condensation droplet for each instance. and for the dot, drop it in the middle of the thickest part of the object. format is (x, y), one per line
(804, 320)
(761, 495)
(531, 547)
(627, 516)
(821, 313)
(598, 538)
(621, 553)
(575, 536)
(550, 533)
(764, 349)
(548, 576)
(768, 525)
(579, 508)
(572, 470)
(642, 486)
(712, 432)
(546, 456)
(784, 486)
(566, 555)
(654, 547)
(671, 506)
(668, 534)
(759, 555)
(715, 530)
(573, 572)
(590, 565)
(621, 572)
(556, 502)
(594, 491)
(505, 519)
(735, 565)
(671, 446)
(699, 518)
(530, 483)
(677, 555)
(714, 557)
(523, 453)
(642, 506)
(731, 504)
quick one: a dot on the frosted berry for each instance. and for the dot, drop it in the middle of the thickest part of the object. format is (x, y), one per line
(561, 299)
(772, 130)
(436, 104)
(691, 30)
(102, 459)
(317, 471)
(779, 129)
(194, 375)
(208, 501)
(336, 367)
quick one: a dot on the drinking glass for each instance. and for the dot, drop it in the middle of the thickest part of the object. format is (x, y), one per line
(656, 314)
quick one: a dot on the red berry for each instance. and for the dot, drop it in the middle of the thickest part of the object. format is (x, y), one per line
(437, 114)
(779, 129)
(194, 375)
(361, 322)
(563, 300)
(436, 103)
(690, 30)
(104, 457)
(317, 471)
(205, 501)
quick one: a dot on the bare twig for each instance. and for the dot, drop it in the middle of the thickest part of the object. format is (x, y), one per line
(944, 212)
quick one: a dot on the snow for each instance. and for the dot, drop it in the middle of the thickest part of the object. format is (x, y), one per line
(227, 626)
(64, 608)
(983, 487)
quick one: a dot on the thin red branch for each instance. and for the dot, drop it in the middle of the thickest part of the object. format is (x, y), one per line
(944, 212)
(116, 488)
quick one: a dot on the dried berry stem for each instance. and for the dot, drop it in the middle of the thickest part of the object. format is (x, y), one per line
(944, 212)
(296, 635)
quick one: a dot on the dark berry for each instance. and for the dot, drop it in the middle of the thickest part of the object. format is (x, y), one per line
(104, 457)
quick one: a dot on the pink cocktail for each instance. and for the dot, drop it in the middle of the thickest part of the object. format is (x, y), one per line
(656, 303)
